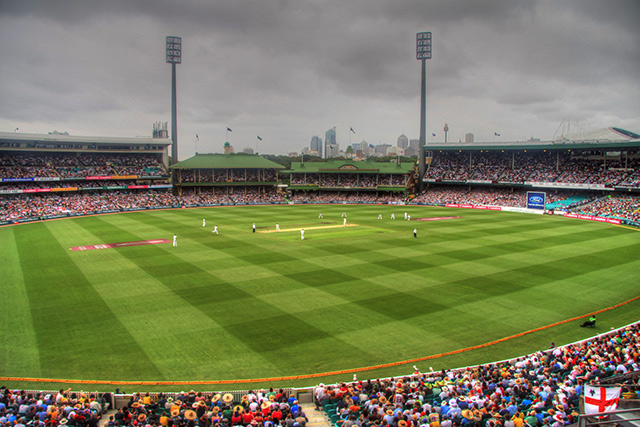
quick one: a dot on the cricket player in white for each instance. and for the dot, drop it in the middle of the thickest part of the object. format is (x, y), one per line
(320, 216)
(215, 229)
(379, 216)
(344, 222)
(393, 216)
(175, 240)
(302, 234)
(204, 222)
(277, 227)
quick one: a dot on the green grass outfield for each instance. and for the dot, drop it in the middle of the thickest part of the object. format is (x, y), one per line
(241, 305)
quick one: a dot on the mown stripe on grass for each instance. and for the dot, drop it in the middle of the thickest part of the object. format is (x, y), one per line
(222, 302)
(65, 307)
(19, 349)
(179, 324)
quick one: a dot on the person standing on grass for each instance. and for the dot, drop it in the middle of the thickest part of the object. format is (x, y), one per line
(379, 216)
(393, 216)
(277, 227)
(344, 221)
(302, 234)
(215, 229)
(320, 216)
(254, 228)
(175, 240)
(204, 222)
(415, 233)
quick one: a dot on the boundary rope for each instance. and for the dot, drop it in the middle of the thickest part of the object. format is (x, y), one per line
(322, 374)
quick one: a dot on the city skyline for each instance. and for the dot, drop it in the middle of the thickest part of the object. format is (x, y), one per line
(278, 73)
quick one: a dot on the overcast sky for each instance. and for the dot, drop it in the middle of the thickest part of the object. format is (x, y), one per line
(290, 69)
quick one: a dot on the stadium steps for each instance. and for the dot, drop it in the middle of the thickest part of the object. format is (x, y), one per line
(316, 418)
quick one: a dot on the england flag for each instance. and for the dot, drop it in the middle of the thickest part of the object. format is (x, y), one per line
(600, 399)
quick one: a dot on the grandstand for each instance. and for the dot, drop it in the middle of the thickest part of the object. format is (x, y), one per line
(573, 170)
(355, 178)
(36, 169)
(235, 175)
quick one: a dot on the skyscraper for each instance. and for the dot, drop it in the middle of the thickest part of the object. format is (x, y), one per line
(330, 140)
(468, 138)
(316, 144)
(403, 141)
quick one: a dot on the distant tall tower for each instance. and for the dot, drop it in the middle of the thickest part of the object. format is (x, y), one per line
(329, 141)
(468, 138)
(446, 130)
(403, 141)
(316, 144)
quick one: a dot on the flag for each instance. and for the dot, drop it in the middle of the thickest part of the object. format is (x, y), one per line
(259, 138)
(496, 134)
(229, 130)
(600, 399)
(354, 132)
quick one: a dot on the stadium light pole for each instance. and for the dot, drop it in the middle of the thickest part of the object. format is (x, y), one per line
(423, 52)
(174, 56)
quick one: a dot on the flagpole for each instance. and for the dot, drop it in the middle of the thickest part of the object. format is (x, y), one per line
(197, 140)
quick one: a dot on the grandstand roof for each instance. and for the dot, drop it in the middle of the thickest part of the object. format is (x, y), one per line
(350, 166)
(57, 137)
(607, 138)
(227, 161)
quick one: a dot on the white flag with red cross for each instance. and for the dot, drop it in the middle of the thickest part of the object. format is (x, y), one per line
(600, 399)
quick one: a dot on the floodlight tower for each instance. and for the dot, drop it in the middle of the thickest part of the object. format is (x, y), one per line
(423, 52)
(174, 56)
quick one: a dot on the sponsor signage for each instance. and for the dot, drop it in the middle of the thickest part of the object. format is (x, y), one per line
(593, 218)
(536, 200)
(464, 206)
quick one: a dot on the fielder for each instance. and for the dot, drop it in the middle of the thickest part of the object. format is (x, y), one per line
(204, 222)
(215, 229)
(175, 240)
(277, 227)
(302, 234)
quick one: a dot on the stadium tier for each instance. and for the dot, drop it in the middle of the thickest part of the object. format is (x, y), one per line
(56, 175)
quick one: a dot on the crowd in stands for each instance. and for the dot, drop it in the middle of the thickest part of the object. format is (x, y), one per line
(21, 409)
(345, 197)
(541, 389)
(627, 207)
(17, 207)
(227, 175)
(13, 208)
(347, 180)
(65, 165)
(538, 166)
(486, 196)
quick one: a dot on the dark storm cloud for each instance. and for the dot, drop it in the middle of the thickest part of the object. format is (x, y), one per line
(292, 69)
